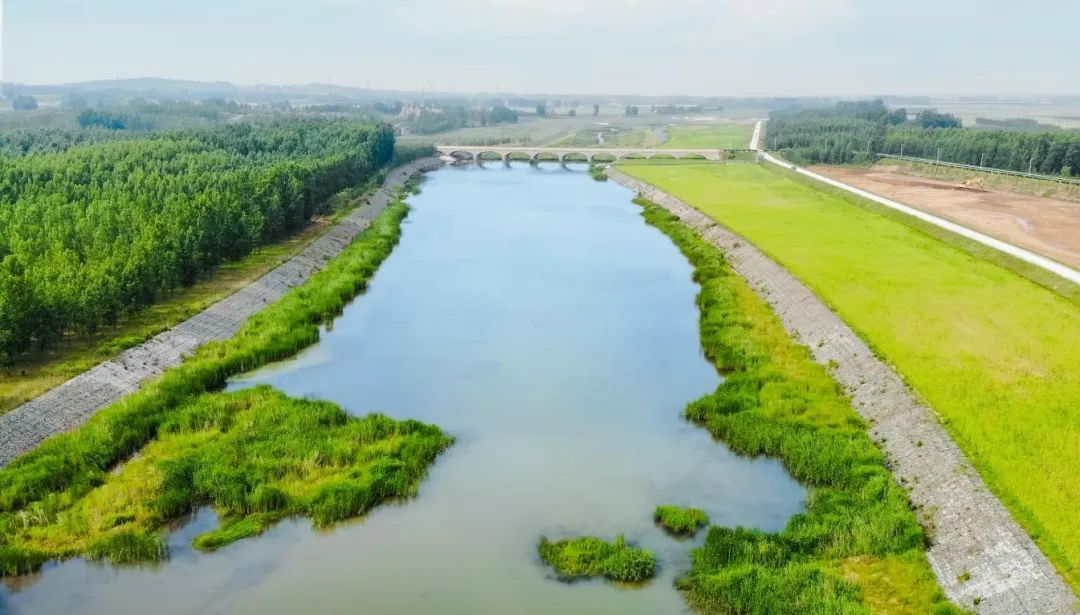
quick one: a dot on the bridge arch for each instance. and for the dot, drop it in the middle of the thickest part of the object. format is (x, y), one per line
(462, 154)
(546, 157)
(574, 157)
(603, 157)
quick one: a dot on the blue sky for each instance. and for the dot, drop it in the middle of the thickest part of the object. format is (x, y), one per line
(707, 47)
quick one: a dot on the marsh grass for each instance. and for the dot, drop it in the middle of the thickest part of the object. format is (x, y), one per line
(256, 456)
(775, 401)
(680, 521)
(38, 490)
(587, 556)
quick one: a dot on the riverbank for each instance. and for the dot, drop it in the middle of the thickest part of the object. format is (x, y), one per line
(72, 403)
(108, 488)
(981, 559)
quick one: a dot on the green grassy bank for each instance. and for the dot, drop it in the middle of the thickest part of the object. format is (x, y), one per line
(711, 136)
(776, 401)
(994, 354)
(241, 453)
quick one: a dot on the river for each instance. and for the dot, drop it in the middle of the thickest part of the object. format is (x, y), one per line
(530, 312)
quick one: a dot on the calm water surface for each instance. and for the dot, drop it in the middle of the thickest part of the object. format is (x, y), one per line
(531, 313)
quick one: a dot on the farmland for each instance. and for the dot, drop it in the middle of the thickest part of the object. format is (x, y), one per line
(719, 136)
(970, 337)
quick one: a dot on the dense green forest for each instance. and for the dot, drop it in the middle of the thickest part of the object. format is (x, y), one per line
(852, 132)
(89, 233)
(450, 118)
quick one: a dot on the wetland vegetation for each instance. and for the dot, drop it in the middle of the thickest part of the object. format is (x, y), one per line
(680, 521)
(586, 556)
(255, 456)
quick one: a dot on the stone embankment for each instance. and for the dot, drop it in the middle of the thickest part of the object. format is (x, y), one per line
(983, 559)
(73, 402)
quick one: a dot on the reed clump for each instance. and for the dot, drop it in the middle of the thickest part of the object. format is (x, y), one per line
(587, 556)
(680, 521)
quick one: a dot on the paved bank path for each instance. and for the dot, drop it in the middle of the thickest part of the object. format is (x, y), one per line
(972, 531)
(1025, 255)
(73, 402)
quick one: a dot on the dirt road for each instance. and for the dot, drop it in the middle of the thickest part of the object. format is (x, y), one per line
(1049, 227)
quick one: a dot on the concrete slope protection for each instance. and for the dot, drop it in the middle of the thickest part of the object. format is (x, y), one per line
(1025, 255)
(979, 553)
(70, 405)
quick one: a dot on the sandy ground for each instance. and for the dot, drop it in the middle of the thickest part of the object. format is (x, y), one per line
(1049, 227)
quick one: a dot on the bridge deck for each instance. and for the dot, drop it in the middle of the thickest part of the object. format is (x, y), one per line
(590, 153)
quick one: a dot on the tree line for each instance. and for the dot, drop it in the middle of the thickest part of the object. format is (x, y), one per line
(96, 232)
(853, 132)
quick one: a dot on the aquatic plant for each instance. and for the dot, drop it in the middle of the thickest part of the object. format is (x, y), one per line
(256, 456)
(776, 401)
(680, 521)
(587, 556)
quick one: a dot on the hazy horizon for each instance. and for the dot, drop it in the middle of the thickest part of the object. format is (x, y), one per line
(737, 48)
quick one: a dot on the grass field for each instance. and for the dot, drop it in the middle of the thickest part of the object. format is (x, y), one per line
(713, 136)
(614, 136)
(993, 353)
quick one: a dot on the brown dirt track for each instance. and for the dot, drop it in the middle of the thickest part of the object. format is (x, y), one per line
(1050, 227)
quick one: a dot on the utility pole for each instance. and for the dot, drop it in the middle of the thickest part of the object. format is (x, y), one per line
(868, 142)
(939, 154)
(982, 161)
(901, 150)
(1031, 165)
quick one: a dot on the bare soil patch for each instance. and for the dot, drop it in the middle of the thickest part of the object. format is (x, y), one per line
(1050, 227)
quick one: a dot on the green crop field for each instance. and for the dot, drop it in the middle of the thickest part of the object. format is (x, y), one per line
(713, 136)
(995, 355)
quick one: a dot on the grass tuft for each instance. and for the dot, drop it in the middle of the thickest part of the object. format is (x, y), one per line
(680, 521)
(586, 556)
(128, 546)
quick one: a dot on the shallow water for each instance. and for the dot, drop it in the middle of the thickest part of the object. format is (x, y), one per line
(531, 313)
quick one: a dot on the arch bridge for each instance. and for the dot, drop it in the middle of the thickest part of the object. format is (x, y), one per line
(571, 154)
